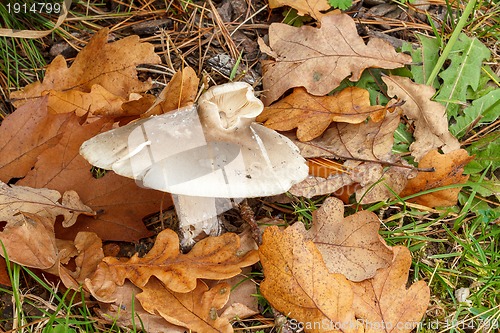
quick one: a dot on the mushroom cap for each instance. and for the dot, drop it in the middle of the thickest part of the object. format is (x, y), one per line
(213, 150)
(230, 106)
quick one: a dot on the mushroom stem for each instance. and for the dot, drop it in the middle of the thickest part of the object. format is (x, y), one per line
(198, 215)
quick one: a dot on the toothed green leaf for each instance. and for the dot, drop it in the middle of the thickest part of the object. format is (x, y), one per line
(466, 58)
(482, 111)
(340, 4)
(424, 57)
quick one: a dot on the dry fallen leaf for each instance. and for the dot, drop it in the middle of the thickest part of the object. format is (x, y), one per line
(25, 134)
(30, 215)
(448, 170)
(393, 180)
(313, 114)
(211, 258)
(371, 141)
(367, 180)
(365, 142)
(111, 65)
(385, 304)
(90, 254)
(298, 283)
(314, 185)
(180, 91)
(312, 8)
(319, 59)
(134, 107)
(195, 310)
(241, 303)
(350, 246)
(30, 241)
(122, 313)
(15, 200)
(67, 250)
(431, 123)
(62, 168)
(98, 100)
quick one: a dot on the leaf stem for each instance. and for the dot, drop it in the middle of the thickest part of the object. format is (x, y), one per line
(451, 42)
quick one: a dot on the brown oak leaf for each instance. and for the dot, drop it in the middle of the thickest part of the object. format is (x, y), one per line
(431, 124)
(298, 283)
(319, 59)
(370, 141)
(120, 203)
(30, 241)
(350, 246)
(211, 258)
(241, 303)
(25, 134)
(195, 310)
(180, 91)
(98, 100)
(313, 114)
(448, 170)
(370, 146)
(89, 253)
(110, 65)
(15, 200)
(123, 310)
(385, 304)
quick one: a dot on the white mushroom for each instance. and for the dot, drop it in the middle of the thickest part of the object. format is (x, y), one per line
(197, 154)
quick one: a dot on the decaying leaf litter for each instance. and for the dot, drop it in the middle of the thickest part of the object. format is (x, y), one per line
(312, 261)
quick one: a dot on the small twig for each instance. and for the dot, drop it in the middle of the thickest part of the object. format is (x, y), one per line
(248, 216)
(372, 161)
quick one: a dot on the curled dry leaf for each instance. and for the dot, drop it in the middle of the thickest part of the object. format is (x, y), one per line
(25, 134)
(431, 125)
(67, 250)
(195, 310)
(212, 258)
(361, 174)
(312, 8)
(62, 168)
(448, 170)
(384, 303)
(110, 65)
(313, 114)
(15, 200)
(30, 241)
(88, 254)
(319, 59)
(350, 246)
(298, 283)
(314, 185)
(241, 303)
(180, 91)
